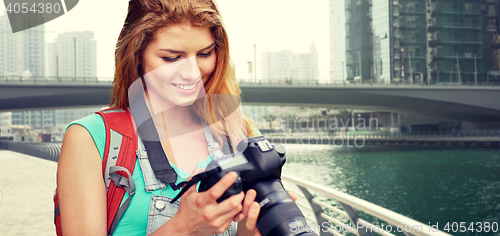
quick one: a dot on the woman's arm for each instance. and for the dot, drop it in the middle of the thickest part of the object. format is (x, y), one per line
(80, 185)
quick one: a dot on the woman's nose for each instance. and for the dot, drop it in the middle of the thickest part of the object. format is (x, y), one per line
(190, 69)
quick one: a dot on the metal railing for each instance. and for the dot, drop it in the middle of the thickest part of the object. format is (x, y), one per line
(371, 82)
(47, 151)
(368, 83)
(398, 222)
(55, 79)
(474, 134)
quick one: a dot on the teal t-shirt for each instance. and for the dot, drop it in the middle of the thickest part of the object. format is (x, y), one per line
(135, 219)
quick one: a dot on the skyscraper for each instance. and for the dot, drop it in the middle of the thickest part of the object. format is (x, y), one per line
(61, 56)
(22, 53)
(415, 41)
(299, 66)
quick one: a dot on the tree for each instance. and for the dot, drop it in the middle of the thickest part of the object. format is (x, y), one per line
(314, 119)
(270, 118)
(287, 117)
(346, 114)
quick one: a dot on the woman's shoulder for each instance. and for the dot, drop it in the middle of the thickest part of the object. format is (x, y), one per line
(94, 124)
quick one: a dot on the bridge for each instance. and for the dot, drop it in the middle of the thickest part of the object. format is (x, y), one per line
(475, 103)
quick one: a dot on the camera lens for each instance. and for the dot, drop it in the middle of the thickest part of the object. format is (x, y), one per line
(279, 215)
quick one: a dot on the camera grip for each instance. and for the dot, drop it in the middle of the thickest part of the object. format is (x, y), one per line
(234, 189)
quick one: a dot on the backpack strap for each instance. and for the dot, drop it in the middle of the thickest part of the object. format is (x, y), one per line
(118, 162)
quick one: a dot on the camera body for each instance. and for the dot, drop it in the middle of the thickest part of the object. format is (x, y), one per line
(258, 165)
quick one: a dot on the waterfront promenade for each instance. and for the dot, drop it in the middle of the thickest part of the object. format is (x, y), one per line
(27, 186)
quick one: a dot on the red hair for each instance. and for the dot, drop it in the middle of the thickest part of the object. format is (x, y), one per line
(144, 19)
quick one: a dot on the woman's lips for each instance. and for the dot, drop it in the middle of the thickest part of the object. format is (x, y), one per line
(186, 88)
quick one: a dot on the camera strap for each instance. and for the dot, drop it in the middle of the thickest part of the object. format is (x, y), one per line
(197, 178)
(157, 158)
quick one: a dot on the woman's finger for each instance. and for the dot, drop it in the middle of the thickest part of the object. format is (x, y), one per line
(239, 217)
(253, 214)
(231, 206)
(249, 198)
(293, 195)
(216, 191)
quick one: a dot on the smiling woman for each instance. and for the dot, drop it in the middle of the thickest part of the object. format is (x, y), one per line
(187, 52)
(178, 51)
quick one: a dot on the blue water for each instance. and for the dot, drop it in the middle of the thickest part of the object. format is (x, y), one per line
(433, 185)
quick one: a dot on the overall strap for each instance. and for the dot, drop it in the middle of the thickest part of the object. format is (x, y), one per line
(118, 162)
(213, 146)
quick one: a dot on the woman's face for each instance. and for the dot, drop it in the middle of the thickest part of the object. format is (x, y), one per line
(177, 63)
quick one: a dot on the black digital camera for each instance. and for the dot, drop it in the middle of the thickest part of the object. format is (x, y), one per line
(258, 165)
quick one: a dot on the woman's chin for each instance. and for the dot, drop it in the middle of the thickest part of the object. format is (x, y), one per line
(185, 101)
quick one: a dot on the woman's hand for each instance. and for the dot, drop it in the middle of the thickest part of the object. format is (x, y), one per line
(247, 218)
(200, 214)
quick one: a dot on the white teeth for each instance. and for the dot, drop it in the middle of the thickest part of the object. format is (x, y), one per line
(184, 87)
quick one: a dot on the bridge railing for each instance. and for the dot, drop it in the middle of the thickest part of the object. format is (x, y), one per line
(109, 80)
(320, 214)
(306, 201)
(386, 135)
(55, 79)
(47, 151)
(363, 83)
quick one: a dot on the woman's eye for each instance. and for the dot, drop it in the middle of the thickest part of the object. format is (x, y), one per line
(205, 54)
(170, 59)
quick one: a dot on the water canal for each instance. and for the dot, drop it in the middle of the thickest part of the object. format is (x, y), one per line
(433, 185)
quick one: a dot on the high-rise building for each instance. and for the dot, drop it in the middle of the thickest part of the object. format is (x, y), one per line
(62, 58)
(65, 116)
(39, 119)
(22, 53)
(463, 40)
(414, 41)
(338, 40)
(298, 66)
(5, 119)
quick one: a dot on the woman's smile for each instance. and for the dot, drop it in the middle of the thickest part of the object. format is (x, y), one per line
(187, 88)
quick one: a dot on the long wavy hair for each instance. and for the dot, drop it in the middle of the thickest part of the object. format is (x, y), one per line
(144, 19)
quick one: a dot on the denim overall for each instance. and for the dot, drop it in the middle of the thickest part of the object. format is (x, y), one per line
(160, 208)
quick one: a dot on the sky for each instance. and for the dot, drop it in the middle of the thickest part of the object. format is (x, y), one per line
(271, 25)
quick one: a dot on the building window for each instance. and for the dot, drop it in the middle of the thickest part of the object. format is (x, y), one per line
(491, 24)
(491, 10)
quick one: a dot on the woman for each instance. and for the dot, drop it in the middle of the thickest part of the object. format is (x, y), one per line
(156, 34)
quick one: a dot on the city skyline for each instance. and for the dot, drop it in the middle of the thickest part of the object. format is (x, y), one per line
(280, 25)
(415, 41)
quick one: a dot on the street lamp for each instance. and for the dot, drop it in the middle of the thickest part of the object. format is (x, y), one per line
(74, 55)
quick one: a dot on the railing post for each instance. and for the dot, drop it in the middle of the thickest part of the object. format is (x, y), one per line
(316, 210)
(362, 231)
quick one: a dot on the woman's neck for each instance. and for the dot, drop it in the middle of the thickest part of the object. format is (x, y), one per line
(180, 120)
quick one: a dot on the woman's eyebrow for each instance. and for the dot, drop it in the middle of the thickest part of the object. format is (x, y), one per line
(177, 51)
(209, 46)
